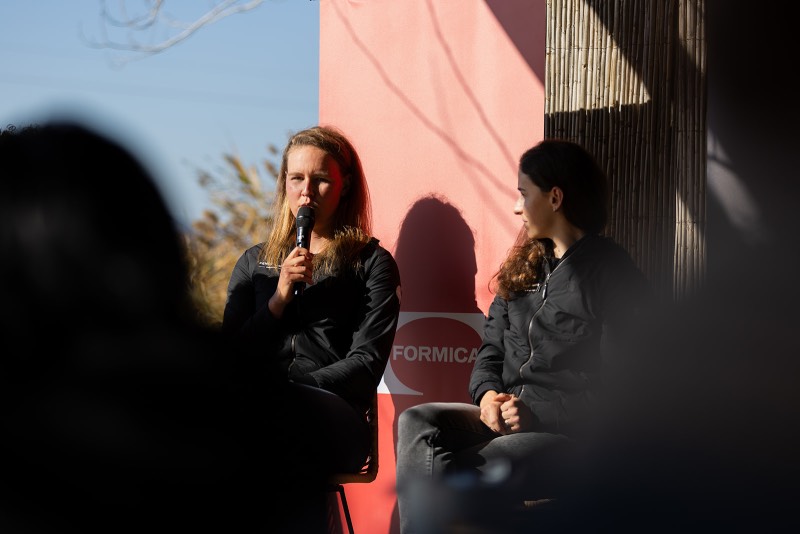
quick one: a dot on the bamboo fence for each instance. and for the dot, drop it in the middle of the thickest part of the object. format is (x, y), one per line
(626, 79)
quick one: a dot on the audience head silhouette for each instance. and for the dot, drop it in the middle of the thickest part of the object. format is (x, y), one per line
(121, 412)
(88, 240)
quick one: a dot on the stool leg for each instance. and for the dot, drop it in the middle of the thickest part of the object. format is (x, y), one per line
(340, 489)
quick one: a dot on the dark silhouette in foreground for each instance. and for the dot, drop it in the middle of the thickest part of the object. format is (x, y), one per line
(120, 412)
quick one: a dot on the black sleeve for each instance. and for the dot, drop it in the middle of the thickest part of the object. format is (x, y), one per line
(487, 373)
(242, 316)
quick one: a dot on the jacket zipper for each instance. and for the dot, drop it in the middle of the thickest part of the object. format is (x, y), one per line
(530, 323)
(294, 348)
(294, 356)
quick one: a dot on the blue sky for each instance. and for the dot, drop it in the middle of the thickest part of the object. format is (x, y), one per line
(236, 86)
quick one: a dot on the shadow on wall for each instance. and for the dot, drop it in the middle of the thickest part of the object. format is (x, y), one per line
(530, 41)
(436, 256)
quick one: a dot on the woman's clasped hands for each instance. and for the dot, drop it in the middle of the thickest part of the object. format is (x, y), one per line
(504, 413)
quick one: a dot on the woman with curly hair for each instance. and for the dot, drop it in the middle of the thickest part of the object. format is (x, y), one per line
(562, 290)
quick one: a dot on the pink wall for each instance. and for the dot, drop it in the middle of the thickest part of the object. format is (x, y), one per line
(440, 98)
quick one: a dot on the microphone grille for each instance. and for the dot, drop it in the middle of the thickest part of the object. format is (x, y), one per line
(305, 217)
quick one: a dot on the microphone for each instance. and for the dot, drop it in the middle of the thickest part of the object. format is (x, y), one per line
(304, 223)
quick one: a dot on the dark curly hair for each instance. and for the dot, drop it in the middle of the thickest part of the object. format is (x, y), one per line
(568, 166)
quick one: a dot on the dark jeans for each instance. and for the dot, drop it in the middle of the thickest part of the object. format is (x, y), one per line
(444, 449)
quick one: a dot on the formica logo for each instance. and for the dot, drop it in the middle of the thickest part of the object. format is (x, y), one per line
(433, 354)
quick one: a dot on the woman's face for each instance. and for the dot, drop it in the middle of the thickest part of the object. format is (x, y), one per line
(313, 178)
(536, 207)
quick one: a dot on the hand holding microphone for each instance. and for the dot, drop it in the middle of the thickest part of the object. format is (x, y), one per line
(304, 223)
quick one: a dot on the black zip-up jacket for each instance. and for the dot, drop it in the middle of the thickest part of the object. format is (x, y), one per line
(337, 335)
(547, 345)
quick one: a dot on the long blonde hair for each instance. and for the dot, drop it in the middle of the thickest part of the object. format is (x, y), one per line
(353, 215)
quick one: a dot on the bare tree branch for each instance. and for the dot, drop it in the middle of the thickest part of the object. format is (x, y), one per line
(160, 30)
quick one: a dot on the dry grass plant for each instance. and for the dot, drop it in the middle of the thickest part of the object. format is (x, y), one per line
(237, 219)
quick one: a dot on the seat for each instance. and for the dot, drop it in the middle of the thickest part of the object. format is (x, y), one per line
(368, 472)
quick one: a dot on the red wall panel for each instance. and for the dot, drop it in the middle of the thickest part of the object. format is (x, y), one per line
(440, 98)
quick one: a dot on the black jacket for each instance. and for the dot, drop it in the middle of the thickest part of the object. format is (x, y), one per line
(547, 345)
(337, 335)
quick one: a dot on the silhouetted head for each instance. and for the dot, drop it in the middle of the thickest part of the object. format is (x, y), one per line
(87, 239)
(433, 284)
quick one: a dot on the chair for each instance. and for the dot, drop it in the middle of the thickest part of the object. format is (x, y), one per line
(368, 472)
